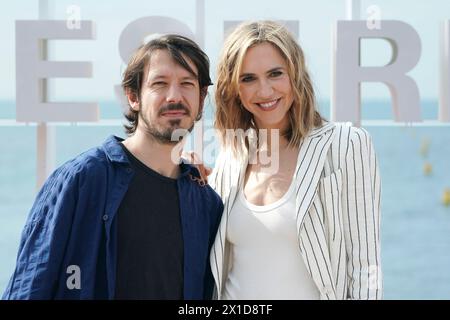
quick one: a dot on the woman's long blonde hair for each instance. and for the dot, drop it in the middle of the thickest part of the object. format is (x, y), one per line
(230, 114)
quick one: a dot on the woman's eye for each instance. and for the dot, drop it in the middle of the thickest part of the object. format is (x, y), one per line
(187, 84)
(247, 79)
(276, 73)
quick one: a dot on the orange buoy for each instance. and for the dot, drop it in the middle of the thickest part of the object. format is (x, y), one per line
(424, 147)
(427, 168)
(446, 197)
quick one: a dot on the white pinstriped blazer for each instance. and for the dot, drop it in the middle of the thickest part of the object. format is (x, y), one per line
(338, 192)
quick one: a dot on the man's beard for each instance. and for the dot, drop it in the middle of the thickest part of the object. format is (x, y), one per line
(166, 136)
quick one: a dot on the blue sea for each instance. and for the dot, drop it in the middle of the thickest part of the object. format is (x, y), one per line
(415, 228)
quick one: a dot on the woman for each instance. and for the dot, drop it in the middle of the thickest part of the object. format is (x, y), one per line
(306, 225)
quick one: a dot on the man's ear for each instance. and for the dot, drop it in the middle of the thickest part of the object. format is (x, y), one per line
(133, 100)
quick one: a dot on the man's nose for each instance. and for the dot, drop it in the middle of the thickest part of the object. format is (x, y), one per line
(174, 94)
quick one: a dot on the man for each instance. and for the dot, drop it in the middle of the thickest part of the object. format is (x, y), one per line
(125, 221)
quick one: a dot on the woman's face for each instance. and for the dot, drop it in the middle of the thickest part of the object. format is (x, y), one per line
(265, 88)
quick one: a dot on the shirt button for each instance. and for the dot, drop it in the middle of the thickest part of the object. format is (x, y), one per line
(105, 217)
(128, 170)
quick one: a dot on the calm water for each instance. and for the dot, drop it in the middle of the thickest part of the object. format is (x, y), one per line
(415, 225)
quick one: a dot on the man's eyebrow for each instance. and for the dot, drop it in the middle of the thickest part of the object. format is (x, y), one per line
(156, 77)
(190, 77)
(163, 77)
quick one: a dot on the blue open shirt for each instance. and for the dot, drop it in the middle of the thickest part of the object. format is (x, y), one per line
(72, 223)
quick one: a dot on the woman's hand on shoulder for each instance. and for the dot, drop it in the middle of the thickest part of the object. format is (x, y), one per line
(192, 158)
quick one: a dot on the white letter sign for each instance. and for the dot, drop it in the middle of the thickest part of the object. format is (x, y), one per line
(32, 72)
(348, 73)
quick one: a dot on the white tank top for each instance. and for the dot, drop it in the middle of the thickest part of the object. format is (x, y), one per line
(267, 263)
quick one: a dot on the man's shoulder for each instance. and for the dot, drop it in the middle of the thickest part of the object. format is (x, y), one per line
(204, 190)
(214, 196)
(92, 165)
(93, 159)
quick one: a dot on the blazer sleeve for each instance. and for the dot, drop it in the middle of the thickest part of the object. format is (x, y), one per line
(43, 239)
(361, 217)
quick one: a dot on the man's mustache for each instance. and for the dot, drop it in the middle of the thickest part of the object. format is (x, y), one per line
(174, 107)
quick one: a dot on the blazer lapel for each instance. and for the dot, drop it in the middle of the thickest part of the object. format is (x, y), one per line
(311, 159)
(312, 155)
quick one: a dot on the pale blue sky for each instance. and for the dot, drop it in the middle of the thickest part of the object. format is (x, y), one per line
(316, 19)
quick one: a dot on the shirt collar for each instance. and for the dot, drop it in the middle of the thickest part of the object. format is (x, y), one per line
(115, 153)
(114, 150)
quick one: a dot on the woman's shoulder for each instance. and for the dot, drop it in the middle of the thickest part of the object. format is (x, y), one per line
(343, 131)
(344, 136)
(352, 139)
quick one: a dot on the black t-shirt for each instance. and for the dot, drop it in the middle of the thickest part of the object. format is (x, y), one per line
(150, 242)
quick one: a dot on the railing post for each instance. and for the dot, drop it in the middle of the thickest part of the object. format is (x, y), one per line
(45, 133)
